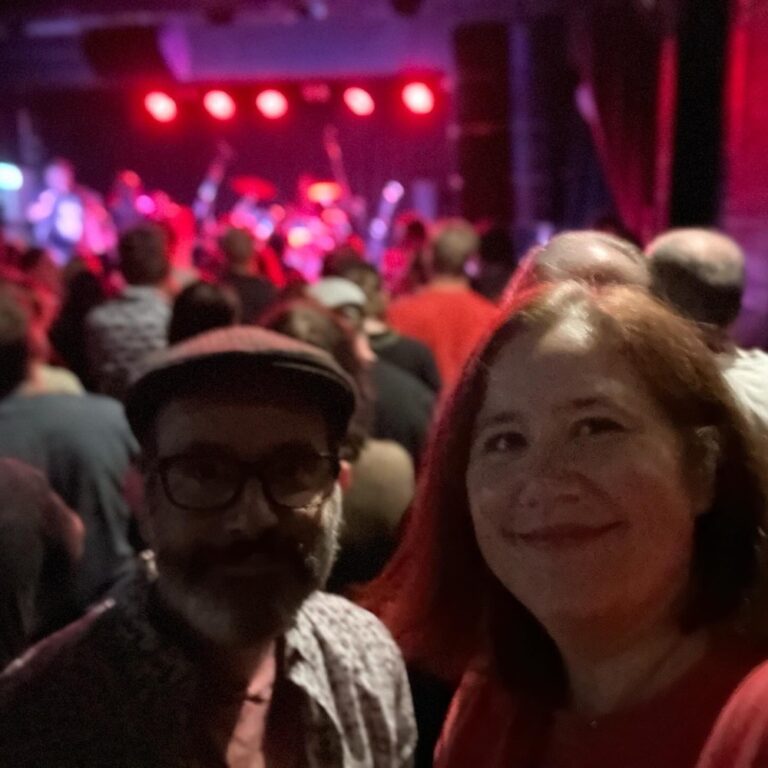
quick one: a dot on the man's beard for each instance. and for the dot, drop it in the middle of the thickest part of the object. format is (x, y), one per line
(250, 590)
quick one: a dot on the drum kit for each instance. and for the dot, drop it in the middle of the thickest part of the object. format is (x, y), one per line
(315, 224)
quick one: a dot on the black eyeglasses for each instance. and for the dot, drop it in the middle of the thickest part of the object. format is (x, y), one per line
(292, 478)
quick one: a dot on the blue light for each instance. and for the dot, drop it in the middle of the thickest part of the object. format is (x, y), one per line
(11, 177)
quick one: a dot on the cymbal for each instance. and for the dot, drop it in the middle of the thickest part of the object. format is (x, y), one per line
(253, 186)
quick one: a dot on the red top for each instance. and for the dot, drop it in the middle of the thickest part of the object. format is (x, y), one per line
(449, 320)
(488, 727)
(740, 736)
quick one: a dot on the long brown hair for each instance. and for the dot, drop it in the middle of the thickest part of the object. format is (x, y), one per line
(438, 597)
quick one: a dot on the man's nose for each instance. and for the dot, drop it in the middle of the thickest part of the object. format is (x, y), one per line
(252, 512)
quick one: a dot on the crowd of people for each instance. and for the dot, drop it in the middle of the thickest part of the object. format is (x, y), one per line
(249, 520)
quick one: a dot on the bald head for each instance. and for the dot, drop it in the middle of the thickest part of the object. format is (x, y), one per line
(594, 257)
(700, 273)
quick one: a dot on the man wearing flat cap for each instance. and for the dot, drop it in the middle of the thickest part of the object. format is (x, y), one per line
(225, 652)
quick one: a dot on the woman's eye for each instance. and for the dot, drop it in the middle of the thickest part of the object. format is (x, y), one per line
(505, 443)
(596, 426)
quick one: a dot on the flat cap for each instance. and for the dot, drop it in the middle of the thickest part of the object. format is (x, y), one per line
(240, 355)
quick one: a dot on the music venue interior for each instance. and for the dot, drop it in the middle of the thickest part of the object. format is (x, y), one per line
(282, 286)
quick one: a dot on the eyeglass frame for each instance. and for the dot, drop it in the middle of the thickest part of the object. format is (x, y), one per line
(247, 470)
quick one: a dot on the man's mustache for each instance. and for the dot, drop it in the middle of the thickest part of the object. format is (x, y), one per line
(270, 545)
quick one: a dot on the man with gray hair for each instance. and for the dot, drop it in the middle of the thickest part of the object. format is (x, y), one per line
(700, 273)
(595, 257)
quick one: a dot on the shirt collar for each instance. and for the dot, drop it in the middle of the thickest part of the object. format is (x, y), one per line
(166, 648)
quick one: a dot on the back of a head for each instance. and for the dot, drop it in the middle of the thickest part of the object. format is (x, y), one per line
(238, 247)
(594, 257)
(454, 241)
(367, 278)
(336, 262)
(700, 273)
(144, 255)
(14, 341)
(314, 324)
(201, 307)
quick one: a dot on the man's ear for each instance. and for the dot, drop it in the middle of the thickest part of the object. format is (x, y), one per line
(345, 476)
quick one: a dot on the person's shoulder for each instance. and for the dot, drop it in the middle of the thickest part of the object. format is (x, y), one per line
(38, 676)
(739, 738)
(96, 408)
(103, 313)
(350, 630)
(388, 374)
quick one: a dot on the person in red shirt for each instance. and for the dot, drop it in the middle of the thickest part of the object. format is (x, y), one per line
(446, 315)
(585, 556)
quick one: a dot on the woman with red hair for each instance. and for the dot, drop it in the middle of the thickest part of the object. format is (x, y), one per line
(586, 555)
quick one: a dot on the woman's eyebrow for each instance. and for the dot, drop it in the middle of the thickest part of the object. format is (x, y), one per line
(500, 417)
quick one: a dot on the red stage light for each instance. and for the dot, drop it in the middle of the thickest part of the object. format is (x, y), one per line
(272, 104)
(359, 101)
(419, 98)
(161, 106)
(219, 105)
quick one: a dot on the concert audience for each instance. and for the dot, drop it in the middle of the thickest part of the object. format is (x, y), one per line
(82, 443)
(121, 332)
(226, 652)
(584, 564)
(700, 274)
(403, 406)
(586, 552)
(255, 292)
(495, 264)
(200, 307)
(446, 314)
(382, 482)
(41, 540)
(40, 307)
(83, 292)
(411, 355)
(405, 266)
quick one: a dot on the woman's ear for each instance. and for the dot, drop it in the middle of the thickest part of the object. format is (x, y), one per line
(704, 470)
(345, 476)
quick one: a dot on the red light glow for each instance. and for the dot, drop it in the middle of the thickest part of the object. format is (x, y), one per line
(220, 105)
(359, 101)
(419, 98)
(161, 106)
(272, 104)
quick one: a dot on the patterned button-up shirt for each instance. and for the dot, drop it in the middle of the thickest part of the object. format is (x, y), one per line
(116, 690)
(122, 332)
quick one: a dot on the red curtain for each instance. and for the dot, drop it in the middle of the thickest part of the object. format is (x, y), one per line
(627, 97)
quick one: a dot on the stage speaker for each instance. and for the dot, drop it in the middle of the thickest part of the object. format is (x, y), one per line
(696, 168)
(126, 52)
(482, 56)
